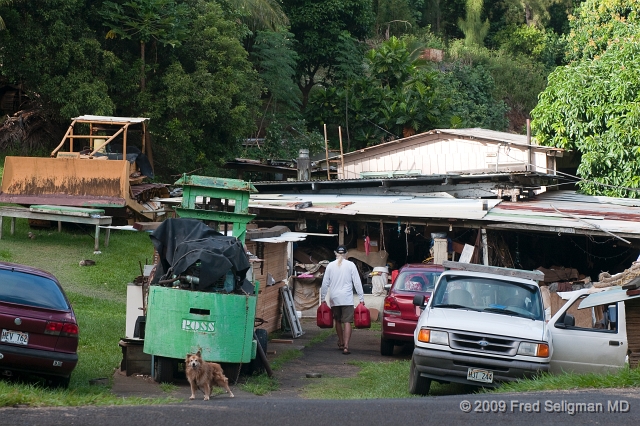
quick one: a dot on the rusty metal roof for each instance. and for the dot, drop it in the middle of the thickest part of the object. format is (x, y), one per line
(569, 212)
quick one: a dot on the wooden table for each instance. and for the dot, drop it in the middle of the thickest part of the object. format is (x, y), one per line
(58, 214)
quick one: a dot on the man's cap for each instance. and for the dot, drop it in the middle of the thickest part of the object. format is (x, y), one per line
(341, 250)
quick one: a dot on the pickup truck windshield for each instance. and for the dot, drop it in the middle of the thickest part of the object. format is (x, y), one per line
(490, 295)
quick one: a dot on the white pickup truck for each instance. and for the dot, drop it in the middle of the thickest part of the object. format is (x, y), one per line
(483, 328)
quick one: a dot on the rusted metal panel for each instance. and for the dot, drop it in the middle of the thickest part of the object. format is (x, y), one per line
(63, 200)
(46, 177)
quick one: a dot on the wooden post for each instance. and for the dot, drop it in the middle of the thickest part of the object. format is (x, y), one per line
(326, 150)
(340, 233)
(96, 246)
(485, 247)
(341, 152)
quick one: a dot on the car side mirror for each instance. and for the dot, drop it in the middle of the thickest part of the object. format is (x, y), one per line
(567, 321)
(387, 287)
(418, 300)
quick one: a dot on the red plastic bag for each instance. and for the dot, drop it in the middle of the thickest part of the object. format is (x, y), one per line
(324, 319)
(362, 316)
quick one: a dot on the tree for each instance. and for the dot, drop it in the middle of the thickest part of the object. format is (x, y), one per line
(593, 106)
(163, 21)
(52, 53)
(473, 28)
(260, 14)
(318, 27)
(598, 23)
(395, 96)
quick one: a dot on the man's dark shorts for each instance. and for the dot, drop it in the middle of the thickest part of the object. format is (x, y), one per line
(343, 313)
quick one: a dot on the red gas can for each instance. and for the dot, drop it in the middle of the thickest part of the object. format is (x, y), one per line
(361, 316)
(324, 319)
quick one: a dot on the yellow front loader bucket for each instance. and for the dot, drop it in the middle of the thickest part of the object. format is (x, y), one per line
(65, 181)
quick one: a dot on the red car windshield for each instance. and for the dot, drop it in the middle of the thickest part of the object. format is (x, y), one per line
(32, 290)
(416, 280)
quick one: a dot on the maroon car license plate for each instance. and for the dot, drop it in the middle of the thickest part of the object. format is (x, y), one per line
(15, 337)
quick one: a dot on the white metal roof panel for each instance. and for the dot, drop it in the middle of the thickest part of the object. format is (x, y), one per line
(290, 237)
(616, 294)
(115, 120)
(381, 205)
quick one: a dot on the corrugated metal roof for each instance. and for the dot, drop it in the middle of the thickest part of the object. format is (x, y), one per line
(569, 211)
(480, 133)
(475, 133)
(115, 120)
(393, 206)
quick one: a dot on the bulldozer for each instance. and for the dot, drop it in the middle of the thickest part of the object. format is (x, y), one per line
(97, 164)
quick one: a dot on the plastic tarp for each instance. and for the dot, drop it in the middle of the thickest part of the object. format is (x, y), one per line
(181, 243)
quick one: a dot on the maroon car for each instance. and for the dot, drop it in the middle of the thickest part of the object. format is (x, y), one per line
(399, 316)
(39, 332)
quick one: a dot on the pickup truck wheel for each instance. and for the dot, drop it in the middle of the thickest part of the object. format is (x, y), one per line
(418, 385)
(386, 347)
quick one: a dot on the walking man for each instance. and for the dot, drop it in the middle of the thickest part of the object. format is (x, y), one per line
(340, 277)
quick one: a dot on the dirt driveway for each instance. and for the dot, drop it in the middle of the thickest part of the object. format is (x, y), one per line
(322, 357)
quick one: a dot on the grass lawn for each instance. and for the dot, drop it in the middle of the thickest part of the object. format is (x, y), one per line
(98, 296)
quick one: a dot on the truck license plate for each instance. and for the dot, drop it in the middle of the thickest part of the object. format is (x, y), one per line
(479, 375)
(15, 337)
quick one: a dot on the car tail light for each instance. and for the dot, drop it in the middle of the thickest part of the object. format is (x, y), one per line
(70, 330)
(391, 306)
(61, 329)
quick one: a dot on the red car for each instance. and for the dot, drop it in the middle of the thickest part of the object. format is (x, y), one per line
(39, 332)
(400, 316)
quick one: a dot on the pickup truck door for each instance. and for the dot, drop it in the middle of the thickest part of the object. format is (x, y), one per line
(584, 347)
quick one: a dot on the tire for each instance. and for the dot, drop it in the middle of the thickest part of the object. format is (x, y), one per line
(256, 366)
(263, 337)
(418, 385)
(164, 370)
(232, 371)
(386, 347)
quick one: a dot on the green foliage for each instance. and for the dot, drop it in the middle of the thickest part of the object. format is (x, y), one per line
(275, 61)
(395, 17)
(375, 380)
(518, 79)
(144, 20)
(284, 139)
(600, 23)
(471, 90)
(624, 378)
(473, 28)
(318, 28)
(540, 45)
(592, 106)
(396, 94)
(201, 97)
(53, 53)
(258, 14)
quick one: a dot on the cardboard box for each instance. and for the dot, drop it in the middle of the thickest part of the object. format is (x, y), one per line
(373, 245)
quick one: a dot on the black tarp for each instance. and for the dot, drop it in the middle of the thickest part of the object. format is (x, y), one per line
(181, 243)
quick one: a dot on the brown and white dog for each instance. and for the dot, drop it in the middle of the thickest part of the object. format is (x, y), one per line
(202, 375)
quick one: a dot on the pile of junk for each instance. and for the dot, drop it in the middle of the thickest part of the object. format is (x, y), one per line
(311, 262)
(200, 296)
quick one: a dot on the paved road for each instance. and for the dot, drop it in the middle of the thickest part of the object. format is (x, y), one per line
(542, 409)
